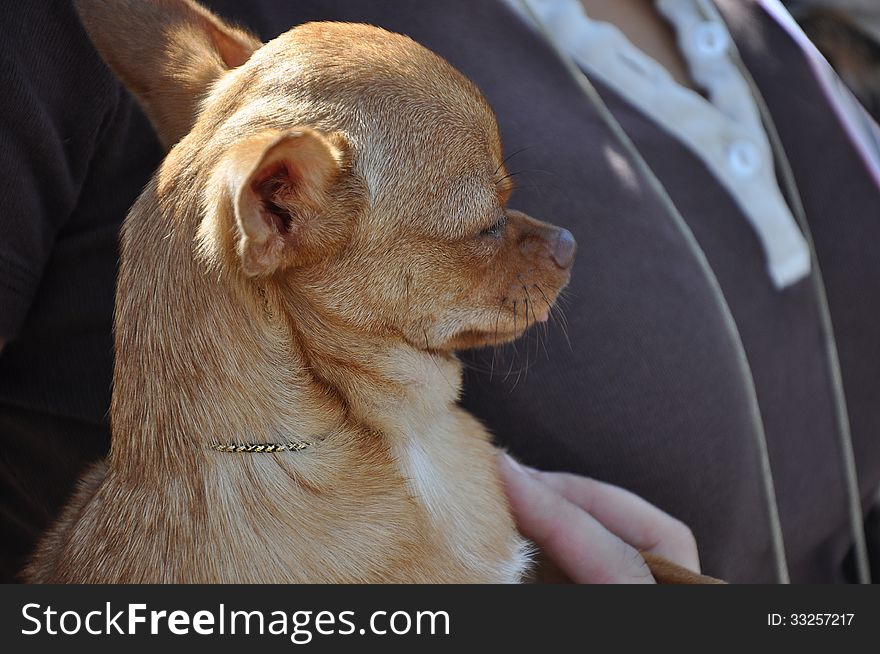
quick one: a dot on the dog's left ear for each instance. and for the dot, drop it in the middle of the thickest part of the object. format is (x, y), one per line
(167, 52)
(280, 184)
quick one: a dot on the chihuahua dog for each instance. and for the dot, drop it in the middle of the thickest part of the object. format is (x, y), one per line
(328, 227)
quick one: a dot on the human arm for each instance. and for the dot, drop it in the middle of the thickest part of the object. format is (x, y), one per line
(57, 99)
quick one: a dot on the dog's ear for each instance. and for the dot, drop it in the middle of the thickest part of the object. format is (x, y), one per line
(280, 184)
(167, 53)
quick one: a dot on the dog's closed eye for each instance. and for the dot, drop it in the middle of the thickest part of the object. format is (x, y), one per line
(496, 229)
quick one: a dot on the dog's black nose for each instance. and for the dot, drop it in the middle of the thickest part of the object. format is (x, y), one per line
(564, 247)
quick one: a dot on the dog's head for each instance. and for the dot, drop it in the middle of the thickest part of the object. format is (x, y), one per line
(349, 166)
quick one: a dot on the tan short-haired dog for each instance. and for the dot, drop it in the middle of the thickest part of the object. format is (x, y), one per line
(328, 227)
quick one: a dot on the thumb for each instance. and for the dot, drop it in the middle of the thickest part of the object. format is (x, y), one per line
(575, 541)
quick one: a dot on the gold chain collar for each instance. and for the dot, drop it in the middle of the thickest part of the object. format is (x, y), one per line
(255, 448)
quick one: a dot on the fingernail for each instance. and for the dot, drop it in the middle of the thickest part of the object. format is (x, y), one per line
(521, 467)
(513, 463)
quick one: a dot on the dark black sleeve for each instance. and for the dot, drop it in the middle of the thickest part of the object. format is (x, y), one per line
(55, 97)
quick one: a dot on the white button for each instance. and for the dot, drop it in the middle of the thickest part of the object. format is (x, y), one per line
(744, 158)
(710, 40)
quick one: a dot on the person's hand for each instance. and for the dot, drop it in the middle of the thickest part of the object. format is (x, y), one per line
(591, 530)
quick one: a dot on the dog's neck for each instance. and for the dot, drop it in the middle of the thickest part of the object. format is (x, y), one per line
(384, 382)
(202, 358)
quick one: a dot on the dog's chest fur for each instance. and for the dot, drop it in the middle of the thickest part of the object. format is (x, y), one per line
(447, 462)
(449, 479)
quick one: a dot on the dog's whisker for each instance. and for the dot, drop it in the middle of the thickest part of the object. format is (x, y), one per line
(543, 330)
(563, 319)
(530, 306)
(522, 172)
(539, 187)
(510, 176)
(564, 297)
(525, 323)
(557, 315)
(511, 156)
(515, 316)
(513, 344)
(495, 338)
(525, 366)
(544, 295)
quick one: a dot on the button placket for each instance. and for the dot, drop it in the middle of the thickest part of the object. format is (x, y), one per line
(710, 40)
